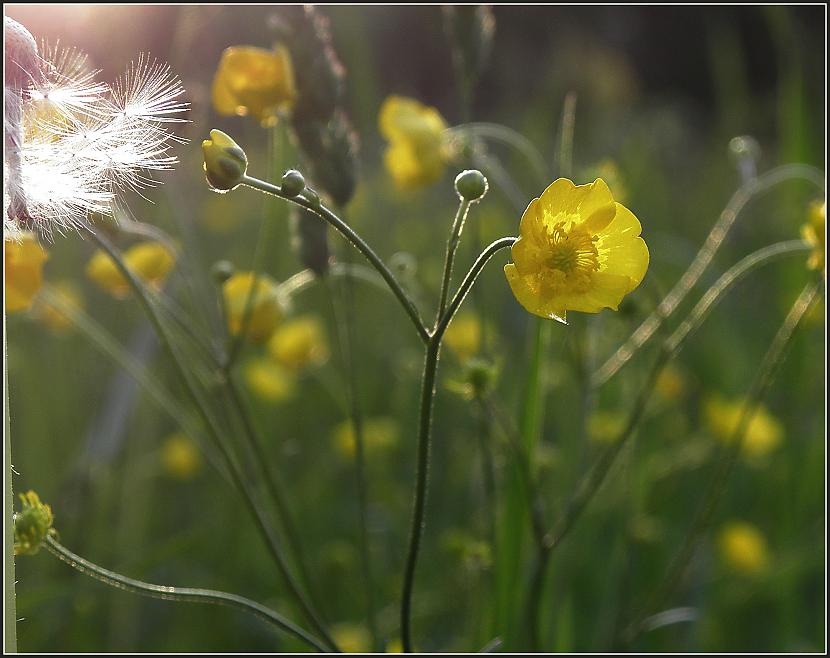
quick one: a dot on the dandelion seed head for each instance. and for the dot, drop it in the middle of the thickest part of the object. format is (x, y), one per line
(74, 143)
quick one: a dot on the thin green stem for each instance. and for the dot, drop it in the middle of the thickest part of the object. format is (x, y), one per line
(211, 426)
(467, 283)
(10, 603)
(763, 380)
(701, 261)
(421, 478)
(591, 482)
(183, 594)
(356, 241)
(449, 259)
(344, 322)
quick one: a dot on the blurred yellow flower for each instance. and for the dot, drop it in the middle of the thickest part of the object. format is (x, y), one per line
(463, 336)
(394, 646)
(254, 81)
(269, 381)
(24, 258)
(180, 457)
(299, 343)
(577, 250)
(149, 261)
(813, 233)
(743, 548)
(53, 317)
(670, 384)
(608, 171)
(417, 147)
(265, 309)
(606, 426)
(351, 638)
(763, 433)
(379, 434)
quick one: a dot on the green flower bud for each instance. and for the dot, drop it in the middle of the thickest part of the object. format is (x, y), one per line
(471, 185)
(312, 197)
(293, 183)
(31, 524)
(225, 161)
(221, 271)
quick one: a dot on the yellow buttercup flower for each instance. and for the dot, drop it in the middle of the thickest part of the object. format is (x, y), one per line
(351, 638)
(418, 148)
(299, 343)
(606, 426)
(813, 233)
(743, 548)
(149, 261)
(265, 310)
(463, 336)
(763, 433)
(379, 434)
(24, 258)
(180, 457)
(269, 381)
(254, 81)
(578, 250)
(53, 317)
(670, 384)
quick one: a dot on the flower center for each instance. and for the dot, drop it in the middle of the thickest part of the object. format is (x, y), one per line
(573, 250)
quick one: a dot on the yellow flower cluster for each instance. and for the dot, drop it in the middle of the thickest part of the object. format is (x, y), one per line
(763, 432)
(24, 258)
(379, 435)
(743, 548)
(254, 81)
(578, 250)
(299, 343)
(813, 233)
(418, 148)
(463, 336)
(180, 457)
(150, 261)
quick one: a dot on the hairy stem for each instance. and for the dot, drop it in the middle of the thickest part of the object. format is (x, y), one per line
(184, 594)
(356, 241)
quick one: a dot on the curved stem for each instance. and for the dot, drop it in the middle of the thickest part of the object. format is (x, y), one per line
(211, 425)
(184, 594)
(591, 482)
(469, 280)
(763, 380)
(452, 246)
(357, 242)
(701, 261)
(507, 136)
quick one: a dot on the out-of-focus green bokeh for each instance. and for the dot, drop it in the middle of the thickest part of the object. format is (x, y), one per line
(660, 92)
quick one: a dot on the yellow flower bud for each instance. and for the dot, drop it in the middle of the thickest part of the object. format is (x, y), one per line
(151, 262)
(31, 524)
(225, 161)
(265, 310)
(24, 258)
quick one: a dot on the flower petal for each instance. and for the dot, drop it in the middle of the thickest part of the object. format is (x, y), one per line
(562, 196)
(528, 293)
(621, 249)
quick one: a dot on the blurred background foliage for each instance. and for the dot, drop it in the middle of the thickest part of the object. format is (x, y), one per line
(660, 92)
